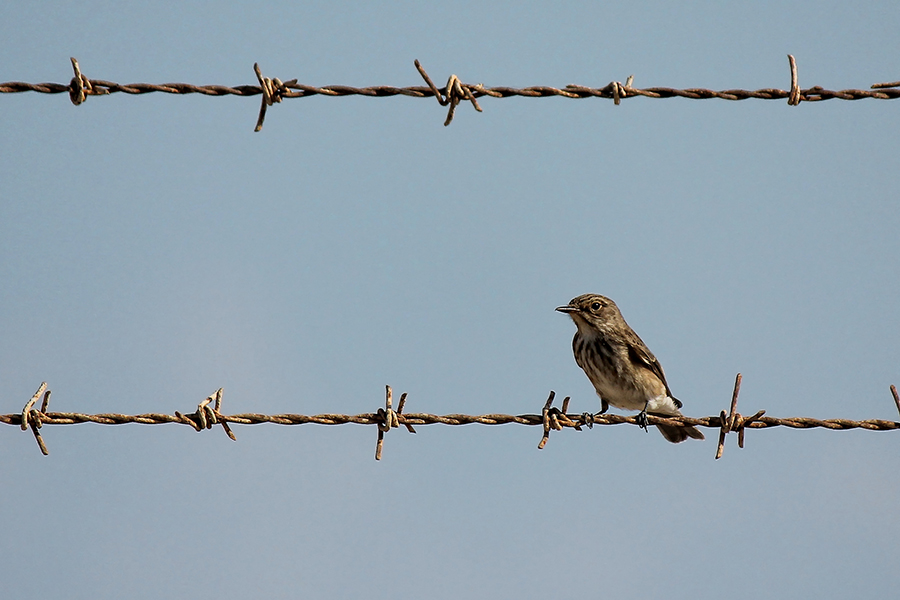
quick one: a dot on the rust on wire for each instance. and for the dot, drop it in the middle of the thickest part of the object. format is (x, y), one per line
(274, 90)
(385, 419)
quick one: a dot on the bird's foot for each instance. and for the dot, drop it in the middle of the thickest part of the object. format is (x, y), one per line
(642, 419)
(588, 419)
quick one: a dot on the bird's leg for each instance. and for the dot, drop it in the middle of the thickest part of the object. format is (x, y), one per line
(642, 417)
(604, 406)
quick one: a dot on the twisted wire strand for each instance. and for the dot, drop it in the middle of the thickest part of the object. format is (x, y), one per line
(551, 418)
(101, 87)
(565, 420)
(274, 90)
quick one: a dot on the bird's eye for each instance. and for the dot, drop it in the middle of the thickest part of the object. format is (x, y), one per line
(595, 306)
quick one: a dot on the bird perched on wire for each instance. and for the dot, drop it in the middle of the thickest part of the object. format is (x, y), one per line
(624, 372)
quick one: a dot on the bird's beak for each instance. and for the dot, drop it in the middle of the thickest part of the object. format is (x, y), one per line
(566, 309)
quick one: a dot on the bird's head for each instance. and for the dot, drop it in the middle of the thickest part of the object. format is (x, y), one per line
(592, 311)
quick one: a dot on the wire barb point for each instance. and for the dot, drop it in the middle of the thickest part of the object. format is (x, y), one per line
(548, 420)
(794, 98)
(727, 423)
(34, 418)
(896, 396)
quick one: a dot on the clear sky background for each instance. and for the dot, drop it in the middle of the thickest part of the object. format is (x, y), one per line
(154, 249)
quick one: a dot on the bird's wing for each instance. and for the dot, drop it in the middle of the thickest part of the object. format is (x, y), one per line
(642, 356)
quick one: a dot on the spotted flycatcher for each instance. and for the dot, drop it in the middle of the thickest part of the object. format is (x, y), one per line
(622, 369)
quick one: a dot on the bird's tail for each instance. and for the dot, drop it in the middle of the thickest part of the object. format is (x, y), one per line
(677, 434)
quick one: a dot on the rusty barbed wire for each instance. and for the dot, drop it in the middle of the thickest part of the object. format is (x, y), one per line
(274, 90)
(551, 418)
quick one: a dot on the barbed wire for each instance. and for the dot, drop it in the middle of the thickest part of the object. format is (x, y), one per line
(275, 90)
(551, 418)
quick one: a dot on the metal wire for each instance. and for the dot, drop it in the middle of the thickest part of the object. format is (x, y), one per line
(551, 418)
(274, 90)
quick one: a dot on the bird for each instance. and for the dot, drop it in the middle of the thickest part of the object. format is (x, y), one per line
(623, 371)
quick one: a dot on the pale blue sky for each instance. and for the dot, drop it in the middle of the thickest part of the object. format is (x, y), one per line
(154, 249)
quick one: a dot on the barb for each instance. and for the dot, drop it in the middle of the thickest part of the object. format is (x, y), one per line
(274, 90)
(206, 417)
(794, 98)
(455, 92)
(32, 418)
(81, 87)
(734, 421)
(386, 419)
(896, 397)
(555, 418)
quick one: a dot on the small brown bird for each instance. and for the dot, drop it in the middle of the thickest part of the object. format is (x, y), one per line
(623, 370)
